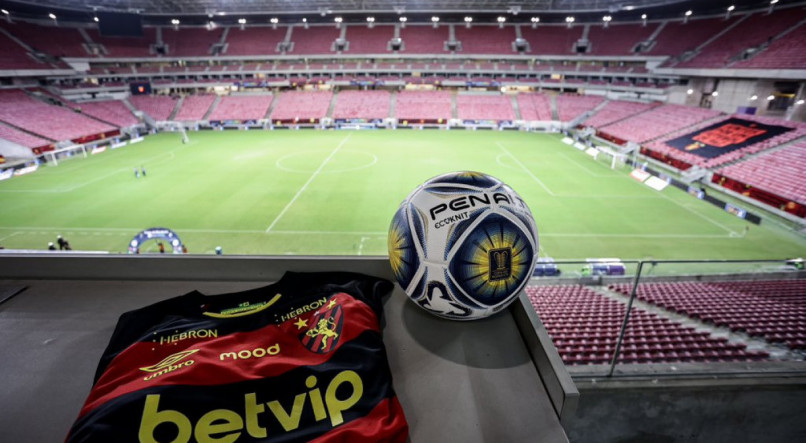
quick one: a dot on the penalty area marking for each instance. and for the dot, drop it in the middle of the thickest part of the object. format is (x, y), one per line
(525, 169)
(305, 186)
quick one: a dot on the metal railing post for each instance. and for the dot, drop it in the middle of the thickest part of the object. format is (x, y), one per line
(626, 319)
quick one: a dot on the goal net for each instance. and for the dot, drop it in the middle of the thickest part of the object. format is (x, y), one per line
(53, 158)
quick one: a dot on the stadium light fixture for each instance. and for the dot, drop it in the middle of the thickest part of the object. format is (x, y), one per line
(607, 19)
(468, 21)
(174, 21)
(800, 102)
(715, 94)
(370, 22)
(338, 21)
(305, 23)
(729, 10)
(772, 5)
(4, 11)
(770, 98)
(435, 21)
(753, 97)
(687, 15)
(403, 21)
(690, 91)
(242, 21)
(569, 21)
(95, 19)
(52, 16)
(643, 19)
(535, 21)
(501, 20)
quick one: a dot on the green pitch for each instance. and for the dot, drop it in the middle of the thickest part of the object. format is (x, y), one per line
(334, 192)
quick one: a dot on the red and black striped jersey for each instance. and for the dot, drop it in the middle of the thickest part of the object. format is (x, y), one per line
(300, 360)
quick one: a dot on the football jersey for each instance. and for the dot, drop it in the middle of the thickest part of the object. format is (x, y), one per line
(300, 360)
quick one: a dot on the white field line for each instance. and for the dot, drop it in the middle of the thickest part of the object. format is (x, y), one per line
(361, 245)
(364, 234)
(93, 180)
(10, 235)
(591, 173)
(702, 216)
(534, 177)
(305, 186)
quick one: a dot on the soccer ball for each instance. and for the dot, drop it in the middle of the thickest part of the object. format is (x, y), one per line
(463, 245)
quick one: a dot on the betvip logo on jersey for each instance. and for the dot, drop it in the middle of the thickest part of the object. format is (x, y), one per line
(324, 328)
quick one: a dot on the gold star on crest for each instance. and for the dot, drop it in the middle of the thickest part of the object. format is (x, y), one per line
(300, 323)
(331, 304)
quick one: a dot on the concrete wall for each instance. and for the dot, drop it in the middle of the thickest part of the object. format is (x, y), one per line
(743, 410)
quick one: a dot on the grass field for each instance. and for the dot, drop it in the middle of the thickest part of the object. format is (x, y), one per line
(334, 192)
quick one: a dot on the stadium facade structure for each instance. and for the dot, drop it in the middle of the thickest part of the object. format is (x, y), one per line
(452, 75)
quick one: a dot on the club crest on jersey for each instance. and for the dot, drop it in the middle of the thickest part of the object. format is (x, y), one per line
(324, 328)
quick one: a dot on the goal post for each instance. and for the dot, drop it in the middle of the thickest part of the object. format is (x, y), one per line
(52, 158)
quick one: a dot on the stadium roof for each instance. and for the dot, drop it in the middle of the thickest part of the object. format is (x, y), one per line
(227, 12)
(398, 6)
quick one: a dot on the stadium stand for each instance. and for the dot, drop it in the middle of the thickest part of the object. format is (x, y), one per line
(362, 104)
(242, 107)
(301, 106)
(660, 146)
(552, 40)
(484, 107)
(657, 122)
(254, 40)
(126, 47)
(421, 105)
(54, 40)
(423, 39)
(110, 111)
(570, 107)
(191, 42)
(677, 37)
(314, 40)
(21, 138)
(159, 107)
(194, 107)
(779, 172)
(772, 309)
(14, 56)
(618, 39)
(584, 326)
(54, 122)
(757, 29)
(784, 53)
(617, 110)
(365, 40)
(486, 39)
(534, 107)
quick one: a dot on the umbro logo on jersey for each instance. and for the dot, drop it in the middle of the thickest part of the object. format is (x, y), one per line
(171, 363)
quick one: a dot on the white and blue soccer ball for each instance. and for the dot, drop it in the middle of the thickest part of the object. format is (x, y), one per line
(463, 245)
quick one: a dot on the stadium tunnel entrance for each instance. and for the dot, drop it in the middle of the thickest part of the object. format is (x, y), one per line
(156, 234)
